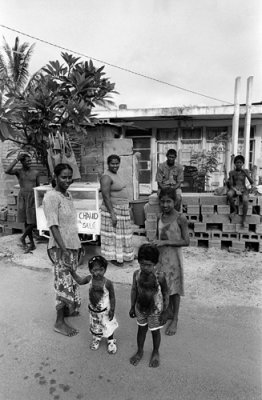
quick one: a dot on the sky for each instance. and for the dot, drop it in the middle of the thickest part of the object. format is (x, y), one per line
(198, 45)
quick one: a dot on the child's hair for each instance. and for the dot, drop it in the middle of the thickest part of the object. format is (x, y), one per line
(148, 252)
(97, 260)
(168, 191)
(239, 158)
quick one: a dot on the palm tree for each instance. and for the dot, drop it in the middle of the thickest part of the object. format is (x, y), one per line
(14, 66)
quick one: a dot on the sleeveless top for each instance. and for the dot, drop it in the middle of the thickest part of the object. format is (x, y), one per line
(118, 190)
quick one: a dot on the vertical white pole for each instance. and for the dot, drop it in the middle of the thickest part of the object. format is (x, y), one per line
(248, 120)
(235, 122)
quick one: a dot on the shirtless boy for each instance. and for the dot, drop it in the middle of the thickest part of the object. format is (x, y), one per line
(28, 178)
(237, 186)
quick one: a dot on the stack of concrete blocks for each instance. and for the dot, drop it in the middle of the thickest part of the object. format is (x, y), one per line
(8, 215)
(152, 212)
(210, 225)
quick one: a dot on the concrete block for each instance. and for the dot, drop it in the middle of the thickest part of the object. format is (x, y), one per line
(190, 199)
(150, 225)
(223, 209)
(207, 209)
(193, 210)
(228, 228)
(212, 200)
(259, 228)
(203, 235)
(249, 210)
(259, 200)
(200, 227)
(193, 242)
(250, 236)
(153, 199)
(216, 219)
(193, 218)
(241, 229)
(230, 236)
(11, 199)
(253, 219)
(214, 243)
(220, 200)
(236, 244)
(151, 217)
(216, 234)
(252, 200)
(151, 235)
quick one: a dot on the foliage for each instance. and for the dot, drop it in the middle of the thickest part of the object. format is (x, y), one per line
(61, 96)
(207, 161)
(14, 66)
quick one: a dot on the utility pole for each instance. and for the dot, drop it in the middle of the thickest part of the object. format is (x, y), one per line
(248, 120)
(235, 122)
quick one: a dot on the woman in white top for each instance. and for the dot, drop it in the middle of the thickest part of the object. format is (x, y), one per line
(64, 244)
(116, 232)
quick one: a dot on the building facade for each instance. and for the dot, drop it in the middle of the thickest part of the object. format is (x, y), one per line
(188, 130)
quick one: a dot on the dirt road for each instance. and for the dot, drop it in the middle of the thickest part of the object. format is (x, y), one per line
(216, 353)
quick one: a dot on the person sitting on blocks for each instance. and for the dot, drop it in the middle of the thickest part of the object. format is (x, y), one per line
(237, 187)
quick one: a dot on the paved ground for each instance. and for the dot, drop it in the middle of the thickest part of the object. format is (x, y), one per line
(216, 353)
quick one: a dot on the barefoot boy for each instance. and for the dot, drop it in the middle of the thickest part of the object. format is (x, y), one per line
(149, 302)
(237, 186)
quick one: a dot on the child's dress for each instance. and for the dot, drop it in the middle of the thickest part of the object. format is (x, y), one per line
(171, 258)
(99, 321)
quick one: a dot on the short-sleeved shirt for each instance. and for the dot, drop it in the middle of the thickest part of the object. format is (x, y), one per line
(60, 211)
(172, 174)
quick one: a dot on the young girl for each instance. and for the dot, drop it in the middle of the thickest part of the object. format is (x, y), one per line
(149, 302)
(101, 303)
(172, 236)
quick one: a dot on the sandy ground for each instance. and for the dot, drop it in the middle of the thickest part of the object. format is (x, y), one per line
(216, 353)
(212, 277)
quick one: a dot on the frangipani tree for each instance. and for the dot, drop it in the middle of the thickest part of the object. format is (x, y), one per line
(61, 96)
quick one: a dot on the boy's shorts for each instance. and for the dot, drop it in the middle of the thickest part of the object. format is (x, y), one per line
(152, 320)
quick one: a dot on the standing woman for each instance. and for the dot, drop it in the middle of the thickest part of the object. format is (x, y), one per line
(64, 244)
(116, 232)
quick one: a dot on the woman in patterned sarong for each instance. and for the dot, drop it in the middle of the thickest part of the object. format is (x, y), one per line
(116, 232)
(64, 244)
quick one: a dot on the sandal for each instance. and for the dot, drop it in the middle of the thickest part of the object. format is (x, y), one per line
(95, 343)
(111, 346)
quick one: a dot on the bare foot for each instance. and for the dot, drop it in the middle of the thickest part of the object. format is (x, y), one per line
(65, 329)
(154, 361)
(22, 243)
(172, 328)
(134, 360)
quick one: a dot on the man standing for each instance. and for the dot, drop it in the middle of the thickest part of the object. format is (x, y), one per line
(170, 174)
(28, 178)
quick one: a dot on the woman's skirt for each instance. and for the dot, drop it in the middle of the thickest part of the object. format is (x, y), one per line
(116, 242)
(66, 288)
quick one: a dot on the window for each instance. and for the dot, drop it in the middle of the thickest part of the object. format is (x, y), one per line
(191, 135)
(169, 134)
(213, 132)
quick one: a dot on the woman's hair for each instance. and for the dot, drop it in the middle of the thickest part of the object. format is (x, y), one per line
(168, 191)
(60, 167)
(148, 252)
(239, 157)
(113, 157)
(57, 171)
(101, 261)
